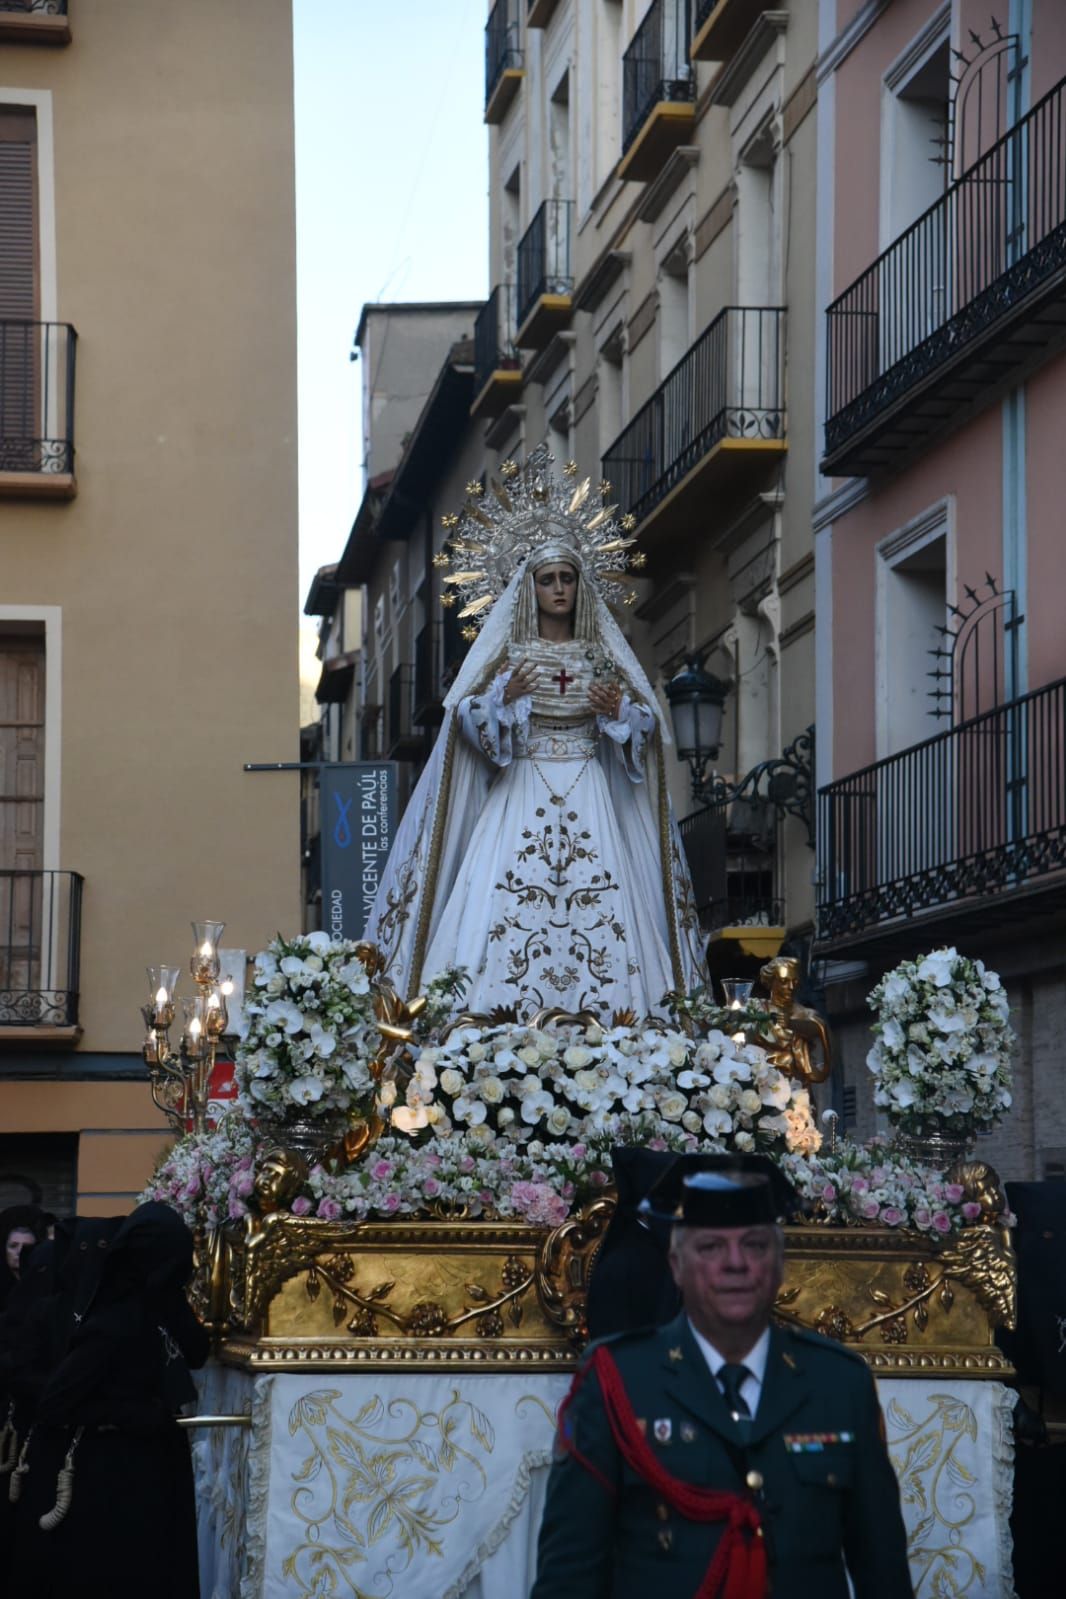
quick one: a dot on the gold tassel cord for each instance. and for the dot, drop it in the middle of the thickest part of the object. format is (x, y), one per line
(64, 1489)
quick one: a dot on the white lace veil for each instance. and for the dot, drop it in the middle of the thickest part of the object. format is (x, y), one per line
(497, 632)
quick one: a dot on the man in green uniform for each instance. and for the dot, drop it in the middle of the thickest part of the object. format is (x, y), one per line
(720, 1454)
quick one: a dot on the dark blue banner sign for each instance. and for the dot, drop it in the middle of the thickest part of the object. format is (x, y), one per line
(358, 804)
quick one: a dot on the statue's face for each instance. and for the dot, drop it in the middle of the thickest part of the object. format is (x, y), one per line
(555, 586)
(271, 1182)
(784, 985)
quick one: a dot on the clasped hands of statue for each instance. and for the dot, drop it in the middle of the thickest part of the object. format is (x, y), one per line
(605, 699)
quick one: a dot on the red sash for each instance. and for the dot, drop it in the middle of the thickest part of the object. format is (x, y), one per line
(738, 1569)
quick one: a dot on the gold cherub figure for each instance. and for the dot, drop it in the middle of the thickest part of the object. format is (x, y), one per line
(791, 1030)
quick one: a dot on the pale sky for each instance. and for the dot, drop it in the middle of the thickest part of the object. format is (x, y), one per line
(391, 184)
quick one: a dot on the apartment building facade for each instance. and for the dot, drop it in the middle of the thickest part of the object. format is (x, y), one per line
(652, 316)
(941, 705)
(148, 579)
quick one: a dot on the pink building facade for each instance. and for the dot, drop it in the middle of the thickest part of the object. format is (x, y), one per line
(941, 650)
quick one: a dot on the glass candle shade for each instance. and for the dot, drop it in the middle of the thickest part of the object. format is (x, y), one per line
(204, 964)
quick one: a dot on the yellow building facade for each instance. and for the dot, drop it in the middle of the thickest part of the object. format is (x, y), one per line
(148, 548)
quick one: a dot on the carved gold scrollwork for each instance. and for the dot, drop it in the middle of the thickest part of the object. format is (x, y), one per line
(426, 1319)
(565, 1264)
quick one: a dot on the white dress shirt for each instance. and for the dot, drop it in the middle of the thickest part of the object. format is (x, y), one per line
(755, 1360)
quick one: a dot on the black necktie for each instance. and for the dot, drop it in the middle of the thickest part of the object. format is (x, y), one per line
(731, 1379)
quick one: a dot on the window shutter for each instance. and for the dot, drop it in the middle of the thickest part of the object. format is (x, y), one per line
(18, 215)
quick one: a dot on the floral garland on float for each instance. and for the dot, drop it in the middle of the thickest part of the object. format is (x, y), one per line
(499, 1120)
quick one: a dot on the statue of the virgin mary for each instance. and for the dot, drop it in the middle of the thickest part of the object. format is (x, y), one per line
(539, 851)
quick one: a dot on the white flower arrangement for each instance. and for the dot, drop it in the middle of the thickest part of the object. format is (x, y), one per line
(576, 1084)
(308, 1031)
(208, 1177)
(943, 1044)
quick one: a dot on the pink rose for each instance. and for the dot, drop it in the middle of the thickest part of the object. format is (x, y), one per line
(870, 1210)
(891, 1216)
(598, 1179)
(381, 1169)
(953, 1192)
(577, 1152)
(971, 1210)
(941, 1221)
(859, 1185)
(466, 1165)
(657, 1143)
(431, 1188)
(328, 1210)
(922, 1217)
(391, 1204)
(301, 1205)
(829, 1193)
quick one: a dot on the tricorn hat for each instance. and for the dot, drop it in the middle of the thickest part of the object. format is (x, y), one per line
(722, 1191)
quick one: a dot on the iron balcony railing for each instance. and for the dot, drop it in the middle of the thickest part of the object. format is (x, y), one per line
(732, 875)
(973, 812)
(974, 259)
(502, 43)
(37, 396)
(40, 948)
(494, 331)
(656, 66)
(730, 384)
(427, 689)
(544, 265)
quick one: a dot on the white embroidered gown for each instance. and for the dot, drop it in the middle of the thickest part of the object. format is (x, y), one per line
(557, 900)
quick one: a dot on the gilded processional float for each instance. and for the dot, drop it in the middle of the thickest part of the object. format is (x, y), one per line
(398, 1221)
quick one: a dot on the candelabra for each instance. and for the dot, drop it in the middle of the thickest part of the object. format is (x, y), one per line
(181, 1078)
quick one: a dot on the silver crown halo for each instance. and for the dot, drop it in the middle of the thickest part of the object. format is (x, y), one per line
(525, 508)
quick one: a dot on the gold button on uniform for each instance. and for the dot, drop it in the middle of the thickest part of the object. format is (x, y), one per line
(662, 1511)
(754, 1480)
(831, 1479)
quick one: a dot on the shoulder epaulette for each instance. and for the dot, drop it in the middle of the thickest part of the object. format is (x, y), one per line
(622, 1337)
(830, 1345)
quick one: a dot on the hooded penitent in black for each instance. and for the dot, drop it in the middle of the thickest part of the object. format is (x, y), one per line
(125, 1339)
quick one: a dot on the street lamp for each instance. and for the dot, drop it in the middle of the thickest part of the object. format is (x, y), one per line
(697, 699)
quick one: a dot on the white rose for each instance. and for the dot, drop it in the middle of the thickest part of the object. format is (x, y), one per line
(749, 1102)
(505, 1117)
(672, 1107)
(491, 1090)
(480, 1135)
(577, 1056)
(451, 1081)
(691, 1122)
(559, 1120)
(529, 1056)
(744, 1142)
(678, 1054)
(387, 1094)
(720, 1096)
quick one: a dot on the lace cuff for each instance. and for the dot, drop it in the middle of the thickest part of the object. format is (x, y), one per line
(628, 731)
(488, 723)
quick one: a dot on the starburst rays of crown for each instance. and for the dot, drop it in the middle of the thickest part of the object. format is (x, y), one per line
(528, 507)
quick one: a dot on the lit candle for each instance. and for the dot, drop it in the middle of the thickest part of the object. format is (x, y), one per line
(207, 949)
(161, 997)
(195, 1028)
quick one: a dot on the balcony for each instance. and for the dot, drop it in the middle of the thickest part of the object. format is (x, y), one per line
(949, 838)
(503, 59)
(34, 22)
(405, 738)
(37, 410)
(721, 26)
(497, 367)
(970, 298)
(732, 868)
(715, 423)
(427, 710)
(540, 13)
(40, 956)
(545, 275)
(658, 90)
